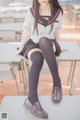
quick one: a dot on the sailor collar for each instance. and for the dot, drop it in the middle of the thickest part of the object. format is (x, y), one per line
(55, 15)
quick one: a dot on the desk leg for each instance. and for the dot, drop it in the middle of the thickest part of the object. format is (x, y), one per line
(27, 68)
(23, 76)
(70, 72)
(74, 19)
(72, 76)
(19, 69)
(14, 76)
(25, 72)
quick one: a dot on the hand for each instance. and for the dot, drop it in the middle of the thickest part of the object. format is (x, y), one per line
(54, 48)
(18, 51)
(64, 50)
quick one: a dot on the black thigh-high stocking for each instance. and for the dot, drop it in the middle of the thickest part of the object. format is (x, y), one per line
(46, 46)
(37, 63)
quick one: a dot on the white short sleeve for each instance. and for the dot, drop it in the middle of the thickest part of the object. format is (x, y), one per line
(59, 19)
(27, 21)
(26, 29)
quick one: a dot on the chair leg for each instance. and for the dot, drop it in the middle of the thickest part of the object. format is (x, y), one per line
(26, 68)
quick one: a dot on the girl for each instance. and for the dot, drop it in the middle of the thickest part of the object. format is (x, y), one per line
(40, 34)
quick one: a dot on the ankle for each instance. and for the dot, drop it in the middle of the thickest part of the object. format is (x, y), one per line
(57, 85)
(33, 99)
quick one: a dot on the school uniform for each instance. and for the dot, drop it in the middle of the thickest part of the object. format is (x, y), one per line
(44, 27)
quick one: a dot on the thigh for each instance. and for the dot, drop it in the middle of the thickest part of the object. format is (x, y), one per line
(34, 50)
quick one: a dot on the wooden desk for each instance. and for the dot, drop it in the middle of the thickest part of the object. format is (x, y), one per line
(71, 53)
(15, 27)
(8, 56)
(76, 12)
(14, 15)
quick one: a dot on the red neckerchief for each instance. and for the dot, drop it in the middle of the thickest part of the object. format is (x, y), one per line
(55, 15)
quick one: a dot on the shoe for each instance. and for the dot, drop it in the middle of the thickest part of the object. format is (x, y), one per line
(57, 94)
(36, 109)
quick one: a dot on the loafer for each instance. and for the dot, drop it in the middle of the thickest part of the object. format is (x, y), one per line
(56, 94)
(36, 109)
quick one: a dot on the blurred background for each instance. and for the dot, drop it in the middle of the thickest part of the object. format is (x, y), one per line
(12, 15)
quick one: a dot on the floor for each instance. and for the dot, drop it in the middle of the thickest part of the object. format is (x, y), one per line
(68, 32)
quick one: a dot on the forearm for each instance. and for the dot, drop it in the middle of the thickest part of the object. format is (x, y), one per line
(24, 38)
(57, 35)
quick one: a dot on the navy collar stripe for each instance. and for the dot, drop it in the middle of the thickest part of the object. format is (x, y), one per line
(51, 20)
(56, 15)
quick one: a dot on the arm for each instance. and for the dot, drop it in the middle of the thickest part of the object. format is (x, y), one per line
(26, 32)
(57, 35)
(58, 28)
(24, 38)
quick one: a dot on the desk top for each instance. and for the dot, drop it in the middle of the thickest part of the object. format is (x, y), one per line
(8, 52)
(68, 109)
(70, 51)
(69, 56)
(69, 45)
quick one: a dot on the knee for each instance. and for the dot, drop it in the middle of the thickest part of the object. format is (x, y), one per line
(37, 58)
(43, 41)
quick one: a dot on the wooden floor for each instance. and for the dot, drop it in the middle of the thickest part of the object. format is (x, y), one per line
(68, 32)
